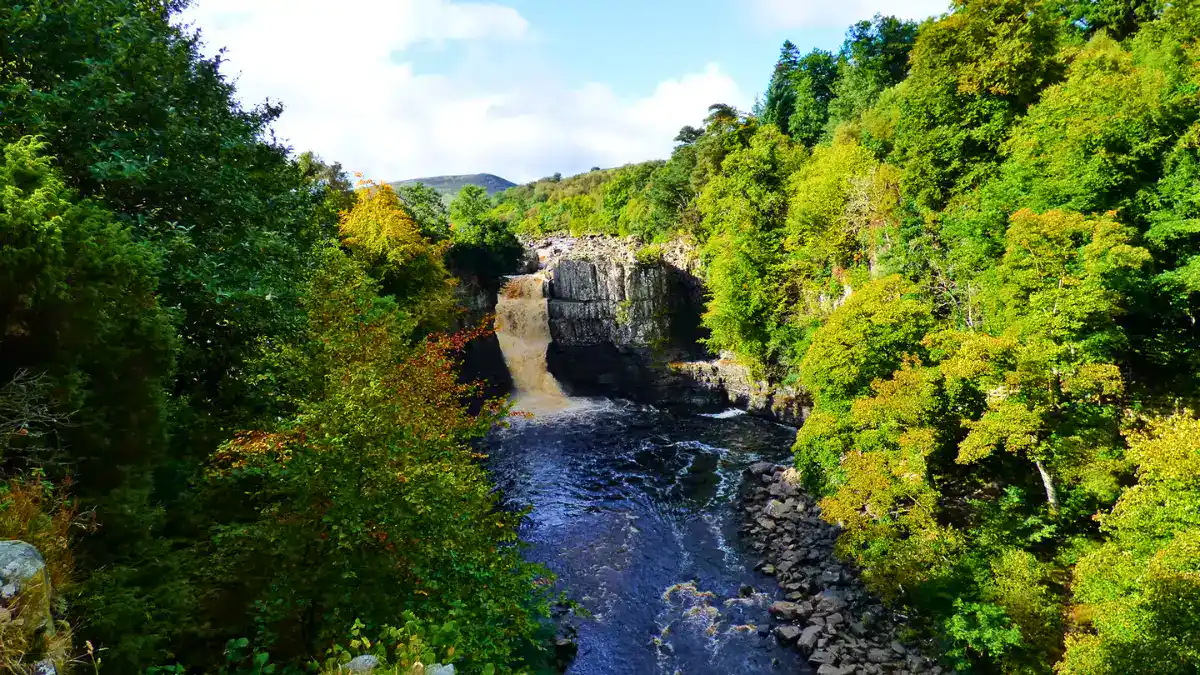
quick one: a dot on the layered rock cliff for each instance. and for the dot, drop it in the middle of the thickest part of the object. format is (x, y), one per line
(625, 321)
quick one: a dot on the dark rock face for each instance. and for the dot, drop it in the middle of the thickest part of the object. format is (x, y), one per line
(630, 328)
(615, 324)
(828, 615)
(482, 360)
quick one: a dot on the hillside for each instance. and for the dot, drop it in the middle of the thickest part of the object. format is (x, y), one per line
(450, 185)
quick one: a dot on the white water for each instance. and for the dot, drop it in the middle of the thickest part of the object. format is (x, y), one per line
(523, 329)
(724, 414)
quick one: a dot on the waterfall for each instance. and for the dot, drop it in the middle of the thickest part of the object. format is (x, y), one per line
(523, 329)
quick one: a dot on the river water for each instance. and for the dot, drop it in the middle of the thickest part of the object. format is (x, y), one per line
(635, 510)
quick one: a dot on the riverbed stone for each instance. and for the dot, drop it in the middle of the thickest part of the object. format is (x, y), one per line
(781, 488)
(808, 639)
(776, 509)
(785, 610)
(787, 633)
(821, 656)
(847, 629)
(759, 468)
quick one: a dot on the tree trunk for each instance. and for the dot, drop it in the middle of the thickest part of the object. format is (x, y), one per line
(1048, 482)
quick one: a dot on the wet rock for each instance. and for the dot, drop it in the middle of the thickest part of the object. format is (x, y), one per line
(787, 611)
(565, 650)
(776, 509)
(759, 468)
(808, 639)
(828, 669)
(735, 383)
(821, 656)
(787, 633)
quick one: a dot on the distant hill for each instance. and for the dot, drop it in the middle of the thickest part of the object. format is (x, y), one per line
(450, 185)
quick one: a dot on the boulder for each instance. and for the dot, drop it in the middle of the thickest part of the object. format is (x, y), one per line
(439, 669)
(776, 509)
(879, 655)
(808, 639)
(821, 656)
(782, 488)
(25, 584)
(759, 468)
(362, 664)
(787, 634)
(785, 610)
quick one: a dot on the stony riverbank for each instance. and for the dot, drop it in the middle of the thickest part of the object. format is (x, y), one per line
(828, 615)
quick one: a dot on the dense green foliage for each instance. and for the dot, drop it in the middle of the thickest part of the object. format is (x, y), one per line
(225, 413)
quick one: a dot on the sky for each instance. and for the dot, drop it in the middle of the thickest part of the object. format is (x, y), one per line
(400, 89)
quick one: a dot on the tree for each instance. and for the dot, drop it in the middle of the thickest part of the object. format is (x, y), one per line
(370, 486)
(874, 57)
(483, 245)
(973, 73)
(427, 208)
(744, 209)
(1137, 594)
(812, 81)
(1118, 18)
(78, 306)
(780, 99)
(841, 220)
(409, 267)
(687, 135)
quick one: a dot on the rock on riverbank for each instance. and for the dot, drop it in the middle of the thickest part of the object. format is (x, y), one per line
(828, 616)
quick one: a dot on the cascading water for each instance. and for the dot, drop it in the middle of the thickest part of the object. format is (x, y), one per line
(523, 330)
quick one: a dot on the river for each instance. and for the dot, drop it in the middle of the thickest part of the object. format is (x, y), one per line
(635, 510)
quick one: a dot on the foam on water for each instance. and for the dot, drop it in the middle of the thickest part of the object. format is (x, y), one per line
(724, 414)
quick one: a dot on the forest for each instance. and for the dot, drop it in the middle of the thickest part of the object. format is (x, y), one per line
(231, 411)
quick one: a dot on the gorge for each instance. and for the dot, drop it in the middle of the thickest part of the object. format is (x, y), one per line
(645, 501)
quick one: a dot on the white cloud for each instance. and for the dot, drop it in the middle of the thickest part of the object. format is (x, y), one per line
(785, 14)
(351, 96)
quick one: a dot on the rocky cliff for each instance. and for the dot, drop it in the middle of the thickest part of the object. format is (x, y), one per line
(625, 321)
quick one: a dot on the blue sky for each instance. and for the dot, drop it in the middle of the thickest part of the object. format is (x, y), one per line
(520, 88)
